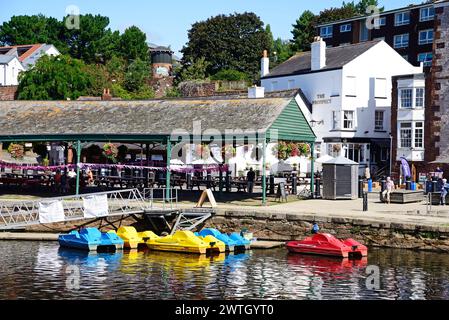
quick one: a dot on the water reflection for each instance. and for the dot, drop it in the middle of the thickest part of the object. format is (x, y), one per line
(38, 271)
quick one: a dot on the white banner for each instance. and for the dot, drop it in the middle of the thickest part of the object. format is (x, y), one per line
(95, 206)
(51, 211)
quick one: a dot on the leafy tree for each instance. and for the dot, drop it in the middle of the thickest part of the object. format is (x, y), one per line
(230, 75)
(270, 47)
(283, 50)
(54, 78)
(116, 68)
(133, 44)
(333, 14)
(137, 74)
(107, 46)
(32, 29)
(87, 43)
(194, 70)
(362, 6)
(303, 31)
(233, 41)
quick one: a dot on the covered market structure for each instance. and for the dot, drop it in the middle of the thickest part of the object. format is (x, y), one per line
(170, 121)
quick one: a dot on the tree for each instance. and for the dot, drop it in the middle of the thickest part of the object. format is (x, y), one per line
(133, 44)
(194, 70)
(54, 78)
(283, 50)
(363, 5)
(230, 75)
(270, 38)
(303, 31)
(233, 41)
(87, 43)
(333, 14)
(32, 29)
(136, 76)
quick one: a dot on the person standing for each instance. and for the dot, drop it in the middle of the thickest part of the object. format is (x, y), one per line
(389, 187)
(250, 177)
(444, 190)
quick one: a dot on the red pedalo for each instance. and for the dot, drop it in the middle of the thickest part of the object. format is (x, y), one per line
(327, 245)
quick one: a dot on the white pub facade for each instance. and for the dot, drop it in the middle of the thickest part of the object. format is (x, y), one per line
(349, 90)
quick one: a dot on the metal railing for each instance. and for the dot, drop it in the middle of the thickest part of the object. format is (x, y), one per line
(165, 201)
(23, 213)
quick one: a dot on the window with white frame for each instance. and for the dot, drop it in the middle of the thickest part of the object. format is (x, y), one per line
(402, 18)
(380, 22)
(426, 58)
(379, 121)
(401, 40)
(427, 14)
(412, 97)
(346, 27)
(419, 135)
(405, 135)
(326, 32)
(426, 36)
(348, 120)
(411, 135)
(406, 98)
(355, 152)
(419, 98)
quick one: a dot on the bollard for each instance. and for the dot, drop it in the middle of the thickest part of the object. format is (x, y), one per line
(271, 184)
(360, 188)
(383, 186)
(294, 185)
(365, 201)
(317, 188)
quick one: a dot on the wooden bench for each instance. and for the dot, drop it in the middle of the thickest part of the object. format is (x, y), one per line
(406, 196)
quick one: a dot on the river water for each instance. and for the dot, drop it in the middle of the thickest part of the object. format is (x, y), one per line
(40, 270)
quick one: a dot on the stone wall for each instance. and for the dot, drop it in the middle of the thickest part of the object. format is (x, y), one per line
(440, 83)
(285, 227)
(8, 93)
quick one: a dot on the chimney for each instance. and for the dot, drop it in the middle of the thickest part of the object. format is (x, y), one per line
(256, 92)
(106, 96)
(264, 65)
(318, 54)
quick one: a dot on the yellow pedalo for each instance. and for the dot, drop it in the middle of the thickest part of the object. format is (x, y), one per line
(181, 241)
(215, 245)
(132, 238)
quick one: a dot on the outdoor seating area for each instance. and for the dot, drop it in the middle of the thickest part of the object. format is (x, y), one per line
(65, 155)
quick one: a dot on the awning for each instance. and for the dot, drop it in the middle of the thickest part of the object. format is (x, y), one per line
(383, 143)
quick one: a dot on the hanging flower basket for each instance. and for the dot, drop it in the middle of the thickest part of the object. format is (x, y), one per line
(110, 151)
(304, 149)
(16, 150)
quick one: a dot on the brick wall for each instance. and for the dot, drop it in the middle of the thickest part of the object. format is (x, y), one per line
(8, 93)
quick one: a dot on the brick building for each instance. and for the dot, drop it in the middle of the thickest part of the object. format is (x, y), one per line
(410, 30)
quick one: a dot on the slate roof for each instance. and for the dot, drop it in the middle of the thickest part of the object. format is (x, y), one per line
(6, 59)
(336, 58)
(152, 117)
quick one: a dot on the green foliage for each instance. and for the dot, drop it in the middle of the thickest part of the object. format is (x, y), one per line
(32, 29)
(133, 44)
(172, 93)
(87, 42)
(194, 70)
(137, 75)
(230, 75)
(234, 41)
(144, 92)
(54, 78)
(282, 51)
(303, 31)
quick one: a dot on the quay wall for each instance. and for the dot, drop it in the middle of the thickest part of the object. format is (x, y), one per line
(286, 227)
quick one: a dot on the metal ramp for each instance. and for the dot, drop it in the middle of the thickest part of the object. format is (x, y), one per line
(189, 220)
(20, 214)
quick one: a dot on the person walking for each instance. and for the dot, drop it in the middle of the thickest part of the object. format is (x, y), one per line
(250, 177)
(389, 187)
(444, 190)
